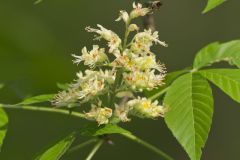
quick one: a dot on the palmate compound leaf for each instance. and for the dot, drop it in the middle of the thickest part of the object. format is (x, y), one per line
(216, 52)
(57, 150)
(227, 80)
(3, 125)
(212, 4)
(190, 109)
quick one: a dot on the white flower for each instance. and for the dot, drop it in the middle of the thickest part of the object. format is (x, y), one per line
(114, 42)
(108, 75)
(139, 80)
(84, 78)
(148, 62)
(121, 61)
(88, 85)
(141, 61)
(117, 53)
(93, 83)
(138, 11)
(65, 98)
(124, 60)
(121, 112)
(124, 16)
(91, 88)
(95, 56)
(144, 40)
(144, 108)
(101, 115)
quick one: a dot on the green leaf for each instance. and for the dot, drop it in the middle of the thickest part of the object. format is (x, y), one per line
(170, 77)
(190, 109)
(227, 80)
(58, 150)
(37, 99)
(206, 55)
(216, 52)
(212, 4)
(236, 61)
(95, 130)
(3, 125)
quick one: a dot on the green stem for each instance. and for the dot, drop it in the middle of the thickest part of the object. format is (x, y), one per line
(116, 84)
(77, 147)
(148, 145)
(155, 96)
(95, 149)
(129, 44)
(44, 109)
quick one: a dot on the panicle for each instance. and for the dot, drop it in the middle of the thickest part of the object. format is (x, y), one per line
(117, 75)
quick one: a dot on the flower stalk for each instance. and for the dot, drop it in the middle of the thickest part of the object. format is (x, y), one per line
(126, 33)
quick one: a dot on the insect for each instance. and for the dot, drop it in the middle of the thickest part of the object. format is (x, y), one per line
(154, 5)
(148, 20)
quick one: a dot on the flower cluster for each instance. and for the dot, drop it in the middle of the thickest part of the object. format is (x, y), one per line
(117, 74)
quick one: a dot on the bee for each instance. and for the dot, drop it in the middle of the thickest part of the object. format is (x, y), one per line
(148, 20)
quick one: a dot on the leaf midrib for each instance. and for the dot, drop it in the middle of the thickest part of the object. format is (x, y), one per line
(194, 129)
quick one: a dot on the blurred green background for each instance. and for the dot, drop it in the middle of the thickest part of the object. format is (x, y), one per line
(36, 43)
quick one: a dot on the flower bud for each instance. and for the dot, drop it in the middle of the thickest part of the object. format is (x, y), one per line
(124, 16)
(133, 27)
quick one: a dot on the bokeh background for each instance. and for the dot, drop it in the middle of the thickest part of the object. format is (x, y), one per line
(36, 43)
